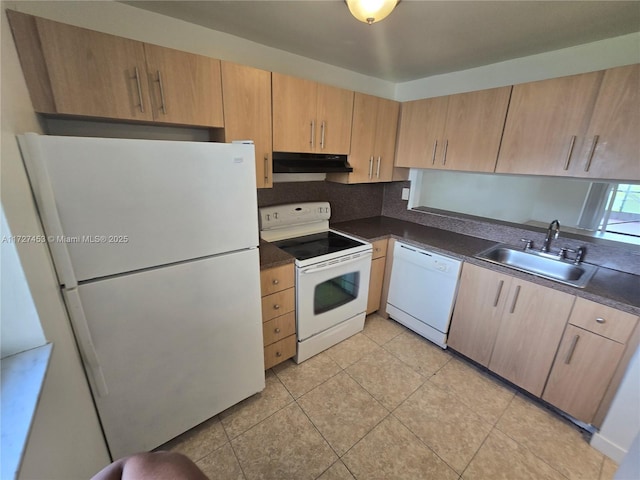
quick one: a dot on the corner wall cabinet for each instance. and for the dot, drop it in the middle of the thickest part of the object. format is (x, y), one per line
(580, 126)
(310, 117)
(278, 314)
(373, 139)
(456, 132)
(247, 113)
(75, 71)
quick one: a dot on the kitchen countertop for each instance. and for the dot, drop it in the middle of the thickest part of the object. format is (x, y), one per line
(271, 256)
(609, 287)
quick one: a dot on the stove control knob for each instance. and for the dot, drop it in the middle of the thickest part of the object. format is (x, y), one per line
(268, 217)
(275, 215)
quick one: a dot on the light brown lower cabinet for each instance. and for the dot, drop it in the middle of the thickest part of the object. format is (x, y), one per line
(589, 355)
(509, 325)
(278, 314)
(377, 275)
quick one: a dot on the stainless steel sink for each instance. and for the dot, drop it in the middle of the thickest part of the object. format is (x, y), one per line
(540, 264)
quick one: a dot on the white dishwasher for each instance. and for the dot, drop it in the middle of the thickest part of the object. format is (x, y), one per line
(422, 291)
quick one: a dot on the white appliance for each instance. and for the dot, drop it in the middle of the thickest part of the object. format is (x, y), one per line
(422, 291)
(155, 247)
(332, 274)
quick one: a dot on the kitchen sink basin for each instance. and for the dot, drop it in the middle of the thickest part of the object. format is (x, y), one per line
(540, 264)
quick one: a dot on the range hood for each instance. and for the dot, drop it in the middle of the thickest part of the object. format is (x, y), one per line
(285, 162)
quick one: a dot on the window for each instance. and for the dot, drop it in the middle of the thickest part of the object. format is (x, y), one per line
(622, 214)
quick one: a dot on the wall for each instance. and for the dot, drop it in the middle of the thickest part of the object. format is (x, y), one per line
(127, 21)
(66, 440)
(612, 52)
(20, 327)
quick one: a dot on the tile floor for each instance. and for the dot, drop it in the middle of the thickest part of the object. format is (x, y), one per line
(387, 404)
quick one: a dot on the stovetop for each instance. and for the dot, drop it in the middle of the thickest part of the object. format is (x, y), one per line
(317, 244)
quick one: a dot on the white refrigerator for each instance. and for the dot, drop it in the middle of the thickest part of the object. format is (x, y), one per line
(155, 248)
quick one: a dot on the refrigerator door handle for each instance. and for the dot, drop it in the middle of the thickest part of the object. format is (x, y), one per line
(85, 343)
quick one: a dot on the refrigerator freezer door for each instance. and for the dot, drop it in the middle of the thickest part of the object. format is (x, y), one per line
(176, 345)
(117, 205)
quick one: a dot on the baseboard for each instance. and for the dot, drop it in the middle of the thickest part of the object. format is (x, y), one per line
(610, 449)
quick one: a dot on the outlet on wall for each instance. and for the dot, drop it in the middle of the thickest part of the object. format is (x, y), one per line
(405, 194)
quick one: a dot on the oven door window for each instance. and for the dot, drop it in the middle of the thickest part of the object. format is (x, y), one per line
(336, 292)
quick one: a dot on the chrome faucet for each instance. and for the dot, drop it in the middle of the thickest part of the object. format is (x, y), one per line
(552, 233)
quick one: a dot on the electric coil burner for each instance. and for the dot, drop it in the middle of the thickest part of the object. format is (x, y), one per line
(332, 273)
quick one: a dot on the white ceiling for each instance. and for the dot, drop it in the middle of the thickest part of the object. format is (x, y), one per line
(420, 38)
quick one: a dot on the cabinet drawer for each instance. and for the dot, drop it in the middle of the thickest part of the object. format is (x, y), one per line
(279, 328)
(276, 279)
(278, 304)
(379, 248)
(280, 351)
(603, 320)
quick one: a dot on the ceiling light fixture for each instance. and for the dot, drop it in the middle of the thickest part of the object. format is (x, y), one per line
(370, 11)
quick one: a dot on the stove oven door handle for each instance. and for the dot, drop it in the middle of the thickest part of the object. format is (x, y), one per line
(331, 265)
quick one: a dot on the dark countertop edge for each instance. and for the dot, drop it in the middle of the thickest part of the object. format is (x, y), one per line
(271, 256)
(601, 289)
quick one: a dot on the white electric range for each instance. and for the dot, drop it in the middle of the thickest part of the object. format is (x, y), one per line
(332, 273)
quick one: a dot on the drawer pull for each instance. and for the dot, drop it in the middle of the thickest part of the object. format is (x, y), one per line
(572, 348)
(276, 330)
(278, 354)
(500, 285)
(275, 281)
(276, 307)
(600, 320)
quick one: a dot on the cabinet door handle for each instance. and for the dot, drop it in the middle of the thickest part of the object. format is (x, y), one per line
(266, 169)
(600, 320)
(163, 105)
(515, 300)
(378, 168)
(278, 354)
(322, 126)
(313, 132)
(276, 307)
(276, 330)
(275, 281)
(444, 155)
(569, 153)
(592, 150)
(371, 166)
(139, 90)
(433, 155)
(572, 349)
(498, 293)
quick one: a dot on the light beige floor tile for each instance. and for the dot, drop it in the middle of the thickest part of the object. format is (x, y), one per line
(284, 446)
(199, 441)
(381, 330)
(390, 451)
(385, 377)
(337, 472)
(500, 458)
(609, 468)
(221, 465)
(447, 426)
(342, 411)
(551, 438)
(299, 379)
(477, 390)
(420, 354)
(352, 349)
(244, 415)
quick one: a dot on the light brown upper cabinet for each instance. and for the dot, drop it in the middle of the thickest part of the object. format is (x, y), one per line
(456, 132)
(75, 71)
(185, 88)
(581, 126)
(613, 136)
(310, 117)
(247, 113)
(373, 138)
